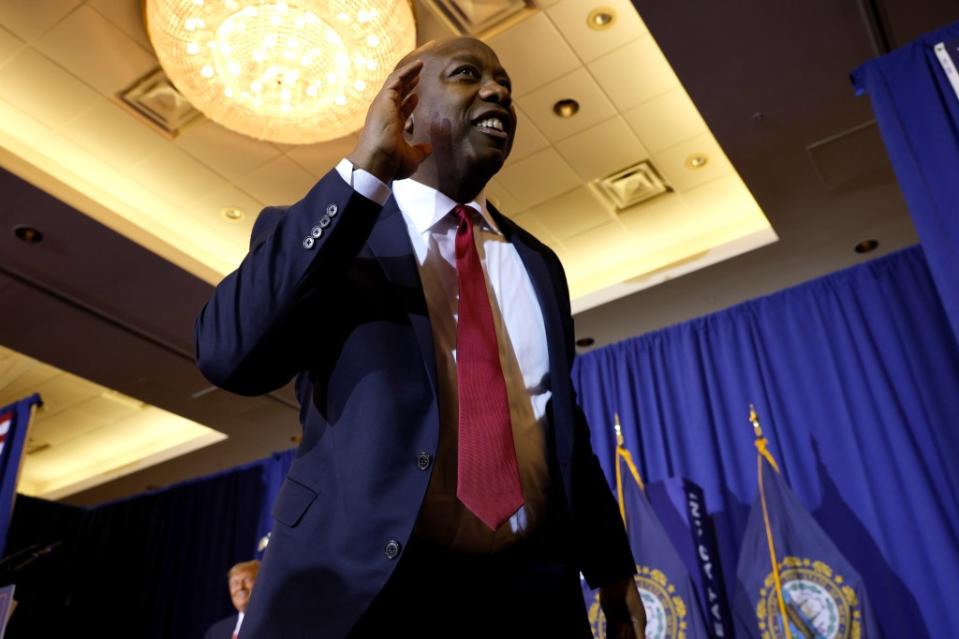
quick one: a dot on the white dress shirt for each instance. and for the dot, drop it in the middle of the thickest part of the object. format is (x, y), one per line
(521, 335)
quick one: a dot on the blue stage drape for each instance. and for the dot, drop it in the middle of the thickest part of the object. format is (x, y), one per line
(151, 566)
(918, 114)
(856, 379)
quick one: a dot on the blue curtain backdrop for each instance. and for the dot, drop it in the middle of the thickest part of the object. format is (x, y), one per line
(856, 380)
(918, 115)
(151, 566)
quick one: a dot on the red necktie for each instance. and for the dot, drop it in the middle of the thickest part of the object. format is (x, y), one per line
(487, 474)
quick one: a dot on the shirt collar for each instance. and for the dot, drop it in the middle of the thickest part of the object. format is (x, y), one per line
(424, 206)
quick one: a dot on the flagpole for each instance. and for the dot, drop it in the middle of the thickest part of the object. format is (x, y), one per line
(619, 473)
(763, 453)
(622, 453)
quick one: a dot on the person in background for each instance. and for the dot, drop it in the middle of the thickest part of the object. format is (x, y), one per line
(240, 580)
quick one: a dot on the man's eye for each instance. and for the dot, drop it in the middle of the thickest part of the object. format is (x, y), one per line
(467, 70)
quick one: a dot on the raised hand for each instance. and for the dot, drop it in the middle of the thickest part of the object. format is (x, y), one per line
(382, 150)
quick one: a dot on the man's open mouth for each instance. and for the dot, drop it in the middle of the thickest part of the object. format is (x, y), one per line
(492, 125)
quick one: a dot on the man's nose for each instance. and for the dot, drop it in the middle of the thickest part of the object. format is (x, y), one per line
(493, 91)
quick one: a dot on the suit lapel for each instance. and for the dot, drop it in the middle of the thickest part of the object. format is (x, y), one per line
(389, 243)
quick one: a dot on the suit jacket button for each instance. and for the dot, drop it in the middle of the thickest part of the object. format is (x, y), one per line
(423, 460)
(332, 210)
(324, 221)
(316, 232)
(392, 549)
(308, 242)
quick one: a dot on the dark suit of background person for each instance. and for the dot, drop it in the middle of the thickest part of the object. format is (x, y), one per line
(222, 629)
(330, 293)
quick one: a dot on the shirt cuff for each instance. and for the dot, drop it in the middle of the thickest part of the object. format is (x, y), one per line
(363, 182)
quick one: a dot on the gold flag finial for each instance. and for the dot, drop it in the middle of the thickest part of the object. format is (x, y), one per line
(754, 420)
(618, 427)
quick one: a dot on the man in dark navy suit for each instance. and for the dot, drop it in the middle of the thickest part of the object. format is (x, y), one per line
(445, 485)
(240, 581)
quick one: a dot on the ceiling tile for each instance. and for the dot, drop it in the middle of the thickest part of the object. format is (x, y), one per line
(63, 392)
(721, 202)
(579, 86)
(27, 381)
(570, 214)
(212, 205)
(127, 15)
(175, 175)
(533, 225)
(111, 66)
(569, 16)
(602, 150)
(533, 53)
(538, 178)
(110, 406)
(654, 221)
(601, 247)
(502, 199)
(666, 120)
(9, 44)
(528, 139)
(634, 73)
(318, 159)
(63, 427)
(37, 86)
(229, 153)
(28, 19)
(281, 181)
(120, 138)
(671, 162)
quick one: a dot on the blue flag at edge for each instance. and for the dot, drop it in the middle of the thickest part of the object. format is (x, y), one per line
(14, 422)
(823, 596)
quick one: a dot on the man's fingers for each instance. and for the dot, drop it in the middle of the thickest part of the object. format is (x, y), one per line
(406, 77)
(409, 103)
(424, 149)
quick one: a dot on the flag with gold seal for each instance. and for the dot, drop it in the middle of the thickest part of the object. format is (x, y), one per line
(672, 608)
(792, 582)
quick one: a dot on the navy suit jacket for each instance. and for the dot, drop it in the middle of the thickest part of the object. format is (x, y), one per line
(346, 315)
(222, 629)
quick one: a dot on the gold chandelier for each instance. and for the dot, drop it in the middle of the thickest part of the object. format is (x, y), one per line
(289, 71)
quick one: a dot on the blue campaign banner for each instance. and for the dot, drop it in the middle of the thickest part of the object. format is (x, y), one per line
(789, 569)
(673, 609)
(14, 423)
(681, 508)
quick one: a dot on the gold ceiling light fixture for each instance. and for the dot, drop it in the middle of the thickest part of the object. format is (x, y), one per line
(288, 71)
(566, 108)
(601, 18)
(697, 161)
(232, 213)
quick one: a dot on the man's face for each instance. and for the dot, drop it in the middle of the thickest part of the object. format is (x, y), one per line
(241, 583)
(463, 83)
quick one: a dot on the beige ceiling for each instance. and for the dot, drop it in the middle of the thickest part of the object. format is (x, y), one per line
(62, 62)
(84, 434)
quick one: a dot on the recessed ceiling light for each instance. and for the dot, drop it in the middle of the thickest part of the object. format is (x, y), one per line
(584, 342)
(27, 234)
(866, 246)
(233, 214)
(566, 108)
(696, 161)
(601, 18)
